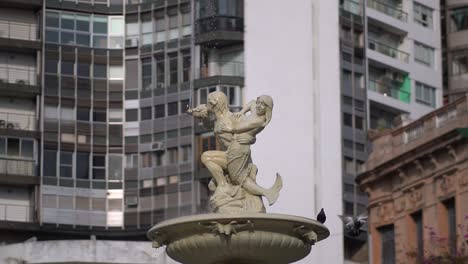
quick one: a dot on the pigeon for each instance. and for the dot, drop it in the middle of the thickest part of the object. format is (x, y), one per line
(321, 217)
(353, 224)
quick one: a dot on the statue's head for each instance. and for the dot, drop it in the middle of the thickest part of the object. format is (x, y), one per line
(217, 102)
(264, 106)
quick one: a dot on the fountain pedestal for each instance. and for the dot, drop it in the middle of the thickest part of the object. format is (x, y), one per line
(250, 238)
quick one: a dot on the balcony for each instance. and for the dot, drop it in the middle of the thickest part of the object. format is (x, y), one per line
(17, 81)
(222, 68)
(9, 166)
(18, 121)
(219, 30)
(388, 50)
(19, 36)
(17, 213)
(389, 89)
(388, 9)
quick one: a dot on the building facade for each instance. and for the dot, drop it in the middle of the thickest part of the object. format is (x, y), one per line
(417, 183)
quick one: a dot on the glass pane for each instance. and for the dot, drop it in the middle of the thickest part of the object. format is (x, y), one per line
(67, 67)
(52, 36)
(51, 65)
(116, 42)
(82, 165)
(50, 160)
(67, 38)
(82, 114)
(52, 19)
(117, 26)
(27, 148)
(68, 21)
(115, 167)
(100, 25)
(116, 72)
(66, 171)
(82, 23)
(100, 42)
(99, 161)
(13, 147)
(83, 69)
(2, 146)
(82, 39)
(132, 28)
(100, 70)
(66, 158)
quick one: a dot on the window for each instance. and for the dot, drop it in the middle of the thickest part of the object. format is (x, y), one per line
(359, 122)
(186, 22)
(146, 113)
(100, 24)
(99, 115)
(82, 113)
(83, 69)
(99, 169)
(452, 225)
(347, 119)
(131, 115)
(424, 54)
(13, 147)
(82, 165)
(172, 109)
(425, 94)
(184, 106)
(418, 227)
(173, 26)
(160, 29)
(115, 167)
(52, 19)
(146, 29)
(67, 67)
(460, 64)
(349, 165)
(66, 164)
(422, 15)
(160, 73)
(186, 66)
(146, 160)
(146, 77)
(172, 155)
(131, 161)
(387, 238)
(131, 74)
(100, 70)
(459, 19)
(173, 66)
(159, 111)
(116, 72)
(186, 155)
(51, 65)
(2, 146)
(115, 115)
(82, 23)
(27, 148)
(50, 165)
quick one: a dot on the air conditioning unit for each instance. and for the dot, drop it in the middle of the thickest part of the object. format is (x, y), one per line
(131, 42)
(131, 200)
(20, 82)
(157, 146)
(7, 125)
(159, 85)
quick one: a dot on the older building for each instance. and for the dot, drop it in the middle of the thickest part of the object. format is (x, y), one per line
(417, 183)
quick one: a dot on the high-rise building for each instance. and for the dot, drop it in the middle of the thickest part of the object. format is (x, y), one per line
(454, 25)
(94, 139)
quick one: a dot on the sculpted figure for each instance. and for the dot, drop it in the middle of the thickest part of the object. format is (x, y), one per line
(234, 174)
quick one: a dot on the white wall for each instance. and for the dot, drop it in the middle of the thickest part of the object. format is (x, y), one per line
(292, 54)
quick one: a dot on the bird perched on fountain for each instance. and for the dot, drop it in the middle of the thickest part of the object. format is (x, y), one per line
(353, 224)
(321, 217)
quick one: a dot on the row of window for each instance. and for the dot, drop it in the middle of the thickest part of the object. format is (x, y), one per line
(83, 69)
(158, 111)
(82, 165)
(16, 148)
(85, 30)
(170, 156)
(158, 136)
(352, 166)
(156, 72)
(358, 121)
(163, 26)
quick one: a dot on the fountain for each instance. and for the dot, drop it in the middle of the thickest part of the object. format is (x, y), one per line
(239, 231)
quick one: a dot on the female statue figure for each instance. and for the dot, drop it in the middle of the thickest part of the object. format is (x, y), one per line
(236, 132)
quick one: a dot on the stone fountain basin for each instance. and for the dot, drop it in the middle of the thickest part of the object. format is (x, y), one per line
(238, 238)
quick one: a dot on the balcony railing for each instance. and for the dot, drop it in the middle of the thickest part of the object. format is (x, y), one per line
(220, 68)
(17, 121)
(389, 89)
(219, 23)
(18, 75)
(13, 212)
(18, 30)
(17, 167)
(388, 9)
(388, 50)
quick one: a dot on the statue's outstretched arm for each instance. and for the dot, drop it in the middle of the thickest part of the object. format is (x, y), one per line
(200, 111)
